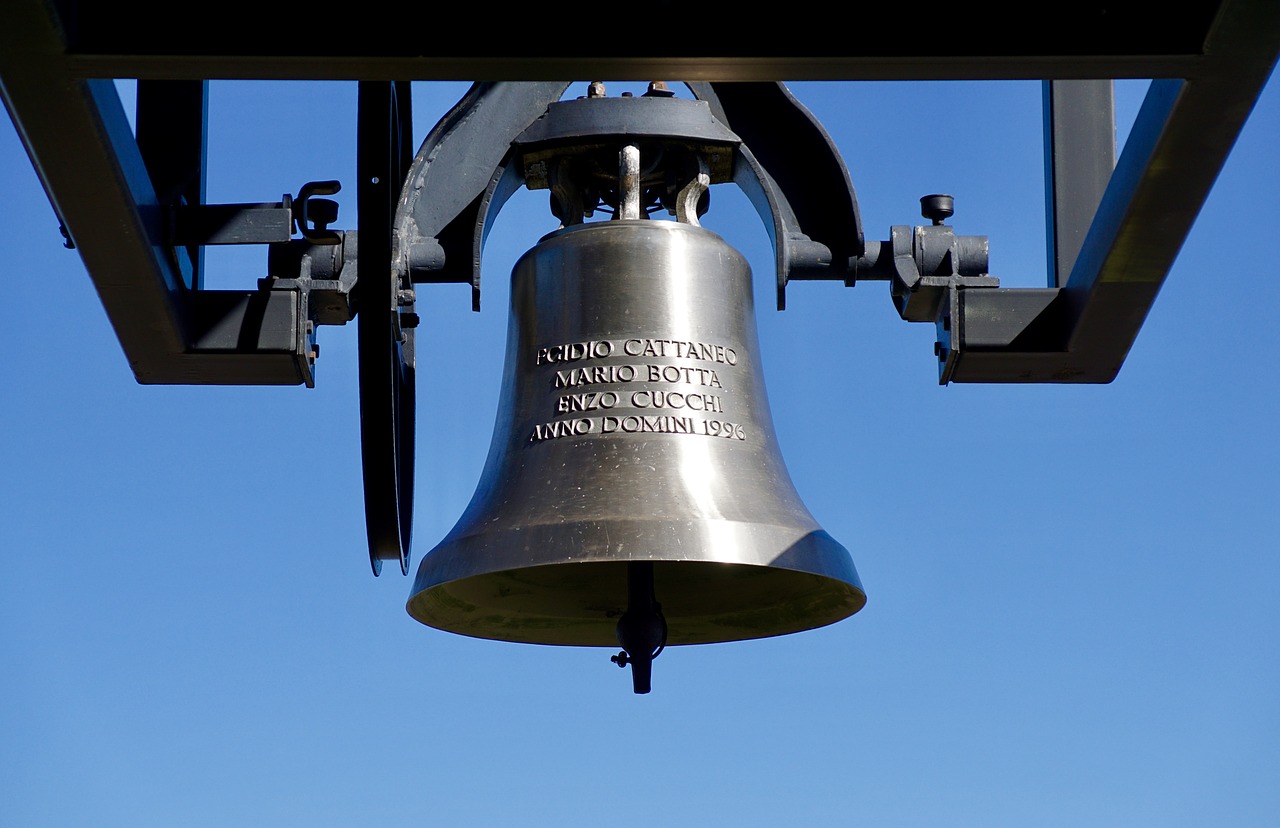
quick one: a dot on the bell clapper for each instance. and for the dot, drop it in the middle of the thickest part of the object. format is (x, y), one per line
(642, 630)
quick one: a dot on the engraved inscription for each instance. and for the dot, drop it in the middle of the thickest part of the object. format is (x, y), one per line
(601, 374)
(562, 428)
(676, 373)
(673, 425)
(591, 401)
(675, 399)
(597, 400)
(595, 374)
(601, 348)
(658, 410)
(680, 348)
(575, 351)
(635, 424)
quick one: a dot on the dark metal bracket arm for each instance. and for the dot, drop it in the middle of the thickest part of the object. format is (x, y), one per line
(199, 225)
(307, 285)
(794, 176)
(786, 164)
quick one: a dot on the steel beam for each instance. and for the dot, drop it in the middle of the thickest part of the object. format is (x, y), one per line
(1080, 154)
(808, 40)
(1176, 148)
(101, 188)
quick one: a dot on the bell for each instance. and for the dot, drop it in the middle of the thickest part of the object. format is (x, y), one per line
(634, 492)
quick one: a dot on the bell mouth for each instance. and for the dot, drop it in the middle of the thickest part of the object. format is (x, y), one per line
(809, 583)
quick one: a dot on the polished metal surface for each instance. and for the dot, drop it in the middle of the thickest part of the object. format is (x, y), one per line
(633, 426)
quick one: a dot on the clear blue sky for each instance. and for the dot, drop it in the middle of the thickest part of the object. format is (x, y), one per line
(1071, 621)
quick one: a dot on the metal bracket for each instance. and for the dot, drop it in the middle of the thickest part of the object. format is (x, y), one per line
(207, 224)
(263, 223)
(929, 262)
(795, 177)
(786, 164)
(326, 274)
(307, 210)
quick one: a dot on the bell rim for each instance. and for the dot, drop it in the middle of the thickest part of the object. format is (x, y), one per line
(576, 599)
(840, 598)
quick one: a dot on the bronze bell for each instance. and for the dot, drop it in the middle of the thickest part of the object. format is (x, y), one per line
(634, 492)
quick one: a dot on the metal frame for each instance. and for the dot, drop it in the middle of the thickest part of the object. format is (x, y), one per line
(1114, 234)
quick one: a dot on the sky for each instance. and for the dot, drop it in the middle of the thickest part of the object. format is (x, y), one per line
(1071, 613)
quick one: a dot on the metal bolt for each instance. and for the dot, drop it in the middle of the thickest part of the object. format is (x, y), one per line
(659, 89)
(595, 89)
(937, 208)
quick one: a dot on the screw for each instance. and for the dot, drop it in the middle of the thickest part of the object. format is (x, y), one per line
(595, 89)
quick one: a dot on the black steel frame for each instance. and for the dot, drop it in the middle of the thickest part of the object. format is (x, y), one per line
(1115, 225)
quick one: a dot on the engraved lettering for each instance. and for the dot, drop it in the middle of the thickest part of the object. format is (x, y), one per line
(595, 375)
(662, 409)
(676, 399)
(657, 425)
(561, 428)
(636, 424)
(682, 349)
(685, 374)
(719, 428)
(590, 401)
(574, 351)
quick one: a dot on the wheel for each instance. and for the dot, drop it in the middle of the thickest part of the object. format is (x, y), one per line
(385, 326)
